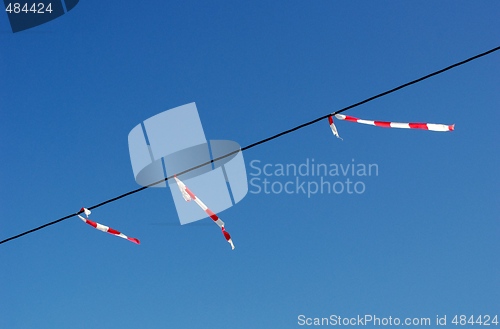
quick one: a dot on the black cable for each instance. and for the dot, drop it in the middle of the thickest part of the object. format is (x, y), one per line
(262, 141)
(371, 98)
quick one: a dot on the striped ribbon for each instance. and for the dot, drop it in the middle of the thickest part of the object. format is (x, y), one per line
(105, 228)
(332, 125)
(386, 124)
(188, 195)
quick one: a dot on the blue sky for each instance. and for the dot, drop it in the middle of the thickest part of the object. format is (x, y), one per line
(422, 240)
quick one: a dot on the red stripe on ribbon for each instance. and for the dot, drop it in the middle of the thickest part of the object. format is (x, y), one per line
(352, 119)
(418, 126)
(212, 215)
(91, 223)
(226, 234)
(113, 231)
(383, 124)
(191, 194)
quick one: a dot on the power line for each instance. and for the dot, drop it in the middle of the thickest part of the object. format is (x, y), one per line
(262, 141)
(371, 98)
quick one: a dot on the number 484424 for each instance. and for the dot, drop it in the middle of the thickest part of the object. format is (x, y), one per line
(35, 8)
(485, 320)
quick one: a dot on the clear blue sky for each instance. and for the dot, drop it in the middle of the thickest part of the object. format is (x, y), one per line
(422, 240)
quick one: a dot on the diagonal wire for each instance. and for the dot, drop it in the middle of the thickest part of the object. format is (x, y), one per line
(262, 141)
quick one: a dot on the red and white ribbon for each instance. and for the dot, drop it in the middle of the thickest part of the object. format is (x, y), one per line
(332, 125)
(105, 228)
(188, 195)
(386, 124)
(228, 237)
